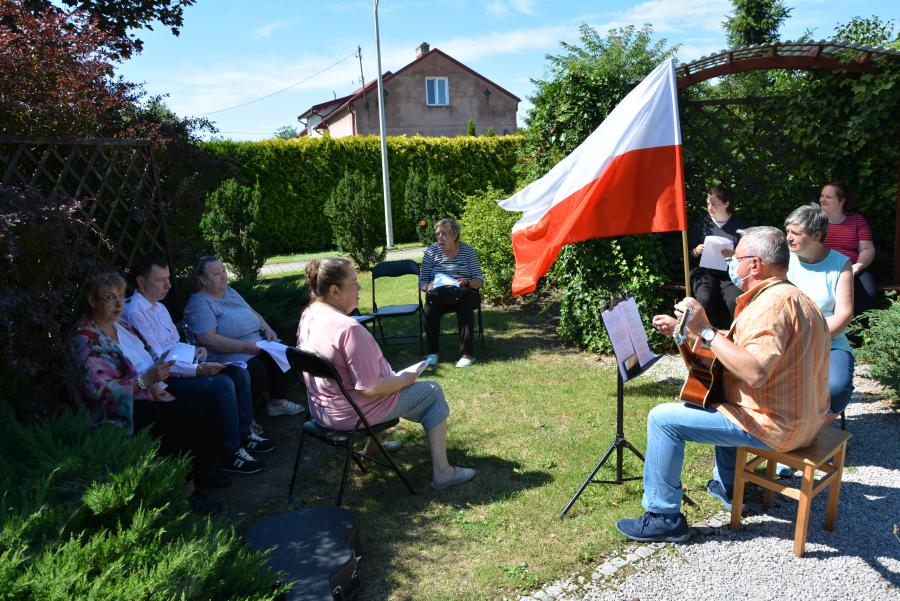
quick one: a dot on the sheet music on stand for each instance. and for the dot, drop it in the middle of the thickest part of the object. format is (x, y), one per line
(628, 337)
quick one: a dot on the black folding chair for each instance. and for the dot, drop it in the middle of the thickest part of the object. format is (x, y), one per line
(393, 269)
(317, 366)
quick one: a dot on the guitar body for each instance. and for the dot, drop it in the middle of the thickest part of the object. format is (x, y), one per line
(704, 379)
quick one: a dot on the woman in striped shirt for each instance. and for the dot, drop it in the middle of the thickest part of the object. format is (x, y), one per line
(450, 277)
(849, 234)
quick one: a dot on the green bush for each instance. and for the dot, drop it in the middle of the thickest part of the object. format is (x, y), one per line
(230, 225)
(296, 177)
(591, 272)
(488, 228)
(429, 199)
(355, 210)
(881, 346)
(89, 513)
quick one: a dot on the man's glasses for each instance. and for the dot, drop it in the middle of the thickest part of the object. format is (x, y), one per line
(739, 259)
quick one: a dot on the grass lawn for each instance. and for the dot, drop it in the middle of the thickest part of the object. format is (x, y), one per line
(533, 417)
(326, 253)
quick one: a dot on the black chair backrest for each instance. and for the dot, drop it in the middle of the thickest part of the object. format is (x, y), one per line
(392, 269)
(319, 366)
(312, 363)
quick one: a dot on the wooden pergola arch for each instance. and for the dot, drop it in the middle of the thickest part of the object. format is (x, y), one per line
(831, 55)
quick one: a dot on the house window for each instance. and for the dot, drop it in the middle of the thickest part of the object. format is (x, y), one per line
(436, 91)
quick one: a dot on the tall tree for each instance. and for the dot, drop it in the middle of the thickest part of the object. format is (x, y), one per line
(585, 84)
(118, 18)
(871, 31)
(755, 21)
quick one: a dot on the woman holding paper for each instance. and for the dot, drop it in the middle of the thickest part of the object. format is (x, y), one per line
(450, 277)
(222, 321)
(381, 394)
(117, 379)
(712, 240)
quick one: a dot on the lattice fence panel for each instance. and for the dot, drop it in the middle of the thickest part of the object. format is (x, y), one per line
(743, 143)
(115, 181)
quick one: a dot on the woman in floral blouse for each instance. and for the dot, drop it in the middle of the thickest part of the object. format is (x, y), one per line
(111, 390)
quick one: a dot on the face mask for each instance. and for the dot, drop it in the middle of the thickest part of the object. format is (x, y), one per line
(732, 273)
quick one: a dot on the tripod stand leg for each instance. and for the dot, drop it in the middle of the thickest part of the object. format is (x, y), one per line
(590, 477)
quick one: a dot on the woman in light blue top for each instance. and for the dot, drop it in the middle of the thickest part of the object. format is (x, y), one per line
(825, 276)
(223, 323)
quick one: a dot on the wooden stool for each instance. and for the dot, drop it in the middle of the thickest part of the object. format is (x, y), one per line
(825, 455)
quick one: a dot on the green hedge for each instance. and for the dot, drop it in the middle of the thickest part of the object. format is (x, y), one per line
(296, 177)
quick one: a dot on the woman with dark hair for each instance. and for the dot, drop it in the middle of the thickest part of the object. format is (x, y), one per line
(222, 321)
(850, 235)
(119, 380)
(381, 394)
(712, 287)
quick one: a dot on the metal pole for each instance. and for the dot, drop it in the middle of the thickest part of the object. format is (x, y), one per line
(385, 174)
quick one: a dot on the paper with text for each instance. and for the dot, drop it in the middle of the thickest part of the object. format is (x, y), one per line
(712, 257)
(278, 352)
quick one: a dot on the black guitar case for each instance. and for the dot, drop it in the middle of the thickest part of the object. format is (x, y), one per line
(318, 547)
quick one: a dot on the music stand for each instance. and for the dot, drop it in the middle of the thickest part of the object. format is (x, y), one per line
(628, 353)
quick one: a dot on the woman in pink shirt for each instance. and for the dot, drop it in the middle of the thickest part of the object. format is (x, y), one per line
(381, 394)
(850, 235)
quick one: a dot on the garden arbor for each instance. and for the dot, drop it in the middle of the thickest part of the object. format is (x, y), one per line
(778, 150)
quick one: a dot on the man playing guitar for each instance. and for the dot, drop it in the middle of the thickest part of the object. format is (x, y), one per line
(774, 387)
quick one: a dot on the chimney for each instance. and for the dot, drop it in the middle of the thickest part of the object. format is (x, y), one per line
(422, 48)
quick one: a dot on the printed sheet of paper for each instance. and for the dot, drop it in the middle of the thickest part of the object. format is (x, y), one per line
(712, 252)
(277, 351)
(442, 279)
(182, 353)
(617, 330)
(636, 330)
(416, 368)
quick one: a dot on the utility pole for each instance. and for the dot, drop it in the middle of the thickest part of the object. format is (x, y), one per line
(362, 80)
(385, 175)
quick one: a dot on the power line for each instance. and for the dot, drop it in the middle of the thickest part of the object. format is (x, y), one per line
(285, 89)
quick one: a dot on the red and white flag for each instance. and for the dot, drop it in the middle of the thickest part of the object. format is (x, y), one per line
(625, 178)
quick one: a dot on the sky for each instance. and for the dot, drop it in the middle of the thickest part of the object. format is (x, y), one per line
(253, 67)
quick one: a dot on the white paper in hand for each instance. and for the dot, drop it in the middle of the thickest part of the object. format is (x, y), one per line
(182, 353)
(712, 257)
(442, 279)
(416, 368)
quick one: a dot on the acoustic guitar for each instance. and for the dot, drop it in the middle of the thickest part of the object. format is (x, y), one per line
(704, 379)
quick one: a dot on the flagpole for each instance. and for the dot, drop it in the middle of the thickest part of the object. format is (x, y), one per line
(687, 273)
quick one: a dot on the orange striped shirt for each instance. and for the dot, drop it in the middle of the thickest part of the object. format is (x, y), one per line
(786, 333)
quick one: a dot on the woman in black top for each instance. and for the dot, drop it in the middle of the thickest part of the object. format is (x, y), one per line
(712, 287)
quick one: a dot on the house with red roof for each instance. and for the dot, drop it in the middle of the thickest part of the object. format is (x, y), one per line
(434, 95)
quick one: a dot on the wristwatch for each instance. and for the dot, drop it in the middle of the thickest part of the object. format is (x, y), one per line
(707, 334)
(140, 382)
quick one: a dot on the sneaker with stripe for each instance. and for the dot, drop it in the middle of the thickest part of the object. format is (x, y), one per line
(242, 462)
(257, 444)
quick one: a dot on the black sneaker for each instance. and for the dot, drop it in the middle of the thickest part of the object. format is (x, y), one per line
(656, 528)
(258, 444)
(242, 462)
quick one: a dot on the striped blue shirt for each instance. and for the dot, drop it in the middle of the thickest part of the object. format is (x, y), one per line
(463, 265)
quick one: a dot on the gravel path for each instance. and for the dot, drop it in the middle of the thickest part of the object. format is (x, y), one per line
(859, 559)
(392, 255)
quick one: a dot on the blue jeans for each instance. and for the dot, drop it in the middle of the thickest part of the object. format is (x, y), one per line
(840, 379)
(230, 391)
(669, 426)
